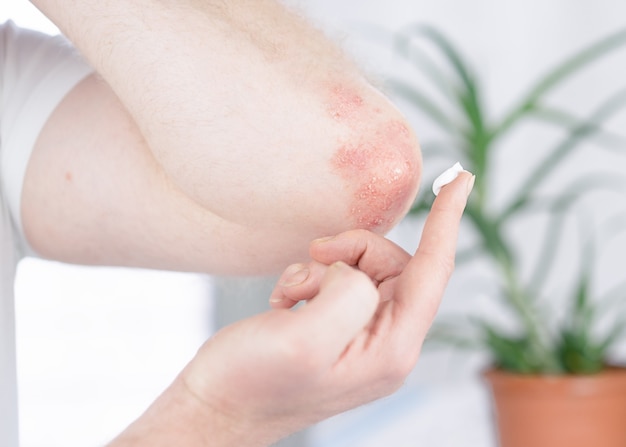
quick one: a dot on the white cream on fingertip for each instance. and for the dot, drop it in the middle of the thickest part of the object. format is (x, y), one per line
(446, 177)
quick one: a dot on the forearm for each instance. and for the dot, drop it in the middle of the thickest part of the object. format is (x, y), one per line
(95, 195)
(178, 418)
(224, 139)
(260, 87)
(205, 77)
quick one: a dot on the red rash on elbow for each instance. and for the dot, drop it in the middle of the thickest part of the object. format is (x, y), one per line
(344, 102)
(382, 171)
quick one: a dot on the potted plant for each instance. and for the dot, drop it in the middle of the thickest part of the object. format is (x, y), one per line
(551, 380)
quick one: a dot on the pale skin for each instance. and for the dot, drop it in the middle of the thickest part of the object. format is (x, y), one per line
(223, 138)
(369, 307)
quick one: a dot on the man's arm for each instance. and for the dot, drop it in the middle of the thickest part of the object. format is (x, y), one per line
(369, 307)
(232, 134)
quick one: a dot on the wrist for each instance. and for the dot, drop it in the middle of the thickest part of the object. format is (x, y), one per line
(179, 417)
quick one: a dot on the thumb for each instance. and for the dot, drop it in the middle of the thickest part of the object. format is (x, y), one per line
(346, 302)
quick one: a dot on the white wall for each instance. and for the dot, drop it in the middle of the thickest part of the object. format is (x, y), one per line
(97, 345)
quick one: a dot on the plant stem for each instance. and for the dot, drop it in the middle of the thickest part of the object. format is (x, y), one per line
(497, 249)
(537, 332)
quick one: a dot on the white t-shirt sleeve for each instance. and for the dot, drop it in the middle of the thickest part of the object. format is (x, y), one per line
(36, 72)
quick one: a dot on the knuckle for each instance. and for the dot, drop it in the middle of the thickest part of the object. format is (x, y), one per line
(359, 234)
(359, 239)
(393, 381)
(401, 369)
(398, 367)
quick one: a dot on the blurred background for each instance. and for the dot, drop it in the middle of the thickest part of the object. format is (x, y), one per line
(97, 345)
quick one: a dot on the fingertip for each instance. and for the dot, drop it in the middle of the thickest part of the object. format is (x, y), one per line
(275, 301)
(284, 303)
(451, 176)
(321, 240)
(340, 266)
(470, 184)
(294, 275)
(457, 192)
(336, 270)
(321, 245)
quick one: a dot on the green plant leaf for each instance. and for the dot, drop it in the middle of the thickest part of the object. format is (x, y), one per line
(405, 46)
(613, 335)
(571, 142)
(569, 122)
(615, 296)
(422, 204)
(547, 254)
(442, 149)
(446, 48)
(582, 312)
(557, 75)
(515, 354)
(425, 104)
(611, 338)
(578, 354)
(467, 97)
(466, 255)
(491, 233)
(539, 347)
(572, 193)
(453, 334)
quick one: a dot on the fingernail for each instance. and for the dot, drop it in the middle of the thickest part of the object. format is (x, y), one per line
(323, 239)
(275, 299)
(470, 184)
(337, 265)
(294, 274)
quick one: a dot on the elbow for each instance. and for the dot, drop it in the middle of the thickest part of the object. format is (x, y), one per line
(380, 168)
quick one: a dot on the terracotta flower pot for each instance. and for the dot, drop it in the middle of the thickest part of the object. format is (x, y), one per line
(555, 411)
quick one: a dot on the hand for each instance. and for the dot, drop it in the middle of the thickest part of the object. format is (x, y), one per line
(369, 307)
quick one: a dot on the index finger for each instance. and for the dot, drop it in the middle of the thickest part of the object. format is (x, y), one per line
(426, 276)
(375, 255)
